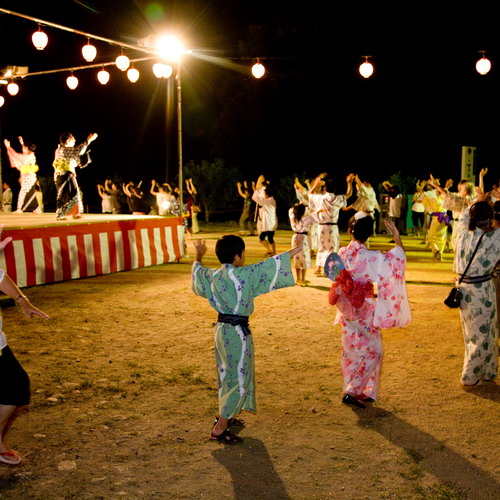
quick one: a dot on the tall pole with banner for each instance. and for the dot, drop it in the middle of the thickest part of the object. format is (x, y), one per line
(468, 170)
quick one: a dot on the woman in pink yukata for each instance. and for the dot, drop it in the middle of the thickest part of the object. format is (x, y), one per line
(360, 314)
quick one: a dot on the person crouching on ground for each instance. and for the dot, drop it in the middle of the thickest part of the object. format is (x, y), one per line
(231, 290)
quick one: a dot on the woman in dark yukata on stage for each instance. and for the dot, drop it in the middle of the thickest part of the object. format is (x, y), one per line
(67, 158)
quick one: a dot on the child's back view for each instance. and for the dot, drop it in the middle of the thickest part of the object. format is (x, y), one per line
(231, 290)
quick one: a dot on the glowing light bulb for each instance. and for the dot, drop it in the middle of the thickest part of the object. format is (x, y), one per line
(40, 39)
(103, 76)
(2, 100)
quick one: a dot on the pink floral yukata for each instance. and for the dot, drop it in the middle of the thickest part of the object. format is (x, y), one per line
(361, 339)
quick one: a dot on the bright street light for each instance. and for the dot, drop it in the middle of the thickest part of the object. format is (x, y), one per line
(170, 48)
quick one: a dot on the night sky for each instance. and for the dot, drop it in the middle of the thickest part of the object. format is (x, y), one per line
(311, 112)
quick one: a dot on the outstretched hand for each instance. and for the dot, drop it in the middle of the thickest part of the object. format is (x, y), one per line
(29, 310)
(200, 248)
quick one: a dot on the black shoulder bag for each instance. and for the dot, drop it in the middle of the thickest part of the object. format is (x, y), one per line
(453, 299)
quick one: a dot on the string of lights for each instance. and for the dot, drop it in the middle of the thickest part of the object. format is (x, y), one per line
(156, 48)
(165, 49)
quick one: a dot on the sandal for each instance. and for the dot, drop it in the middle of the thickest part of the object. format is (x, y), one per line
(232, 422)
(227, 437)
(10, 457)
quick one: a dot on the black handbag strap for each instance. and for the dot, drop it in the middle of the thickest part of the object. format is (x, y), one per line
(471, 259)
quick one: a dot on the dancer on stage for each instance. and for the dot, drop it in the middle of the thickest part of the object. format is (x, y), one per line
(359, 313)
(25, 162)
(67, 158)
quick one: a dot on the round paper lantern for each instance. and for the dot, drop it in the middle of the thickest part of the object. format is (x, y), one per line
(258, 70)
(2, 100)
(89, 52)
(161, 70)
(13, 88)
(366, 69)
(483, 66)
(133, 74)
(103, 76)
(122, 62)
(40, 39)
(72, 82)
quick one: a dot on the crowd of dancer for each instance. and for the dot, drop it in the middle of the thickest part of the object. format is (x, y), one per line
(368, 286)
(116, 198)
(474, 226)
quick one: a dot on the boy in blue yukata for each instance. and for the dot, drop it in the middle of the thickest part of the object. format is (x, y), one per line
(231, 290)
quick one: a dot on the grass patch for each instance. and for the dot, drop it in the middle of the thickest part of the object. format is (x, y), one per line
(186, 375)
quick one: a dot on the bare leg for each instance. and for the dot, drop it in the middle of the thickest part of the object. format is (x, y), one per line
(6, 418)
(298, 274)
(266, 245)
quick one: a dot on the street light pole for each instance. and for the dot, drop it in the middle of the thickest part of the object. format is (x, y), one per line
(179, 133)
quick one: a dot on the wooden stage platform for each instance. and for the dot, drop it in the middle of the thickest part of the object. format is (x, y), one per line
(44, 250)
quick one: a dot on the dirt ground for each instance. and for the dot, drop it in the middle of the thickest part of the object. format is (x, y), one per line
(124, 394)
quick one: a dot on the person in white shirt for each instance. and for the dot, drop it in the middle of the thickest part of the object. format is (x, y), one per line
(267, 219)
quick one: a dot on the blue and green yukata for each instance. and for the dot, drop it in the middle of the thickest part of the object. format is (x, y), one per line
(231, 291)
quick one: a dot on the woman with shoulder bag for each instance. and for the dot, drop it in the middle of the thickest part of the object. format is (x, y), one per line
(478, 314)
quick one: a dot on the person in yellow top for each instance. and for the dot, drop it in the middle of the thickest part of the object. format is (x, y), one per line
(67, 158)
(25, 162)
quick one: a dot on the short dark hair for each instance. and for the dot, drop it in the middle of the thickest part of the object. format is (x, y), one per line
(481, 215)
(30, 146)
(228, 247)
(362, 228)
(63, 138)
(330, 186)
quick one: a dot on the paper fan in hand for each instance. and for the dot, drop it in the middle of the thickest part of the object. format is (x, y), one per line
(333, 266)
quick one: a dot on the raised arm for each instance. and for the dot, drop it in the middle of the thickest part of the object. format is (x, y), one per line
(349, 179)
(387, 185)
(260, 182)
(91, 137)
(200, 249)
(240, 191)
(391, 227)
(435, 184)
(482, 173)
(193, 189)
